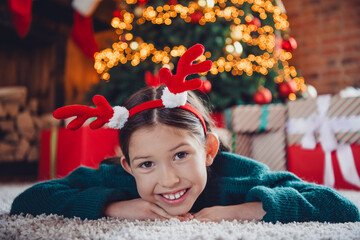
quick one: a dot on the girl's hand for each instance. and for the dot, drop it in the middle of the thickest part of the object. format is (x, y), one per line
(245, 211)
(136, 209)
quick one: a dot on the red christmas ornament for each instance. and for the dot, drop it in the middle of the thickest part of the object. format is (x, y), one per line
(255, 21)
(172, 2)
(20, 14)
(196, 16)
(152, 80)
(287, 87)
(205, 87)
(289, 45)
(263, 96)
(142, 2)
(117, 13)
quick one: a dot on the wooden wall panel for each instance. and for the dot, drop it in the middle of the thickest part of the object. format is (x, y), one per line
(39, 68)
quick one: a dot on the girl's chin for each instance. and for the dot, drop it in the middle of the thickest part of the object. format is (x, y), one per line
(177, 212)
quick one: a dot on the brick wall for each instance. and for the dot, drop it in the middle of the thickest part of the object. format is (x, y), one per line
(328, 37)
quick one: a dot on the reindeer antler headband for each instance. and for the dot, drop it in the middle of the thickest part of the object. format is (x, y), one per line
(174, 95)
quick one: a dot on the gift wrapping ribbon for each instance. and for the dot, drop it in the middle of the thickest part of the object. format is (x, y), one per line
(264, 117)
(327, 127)
(53, 151)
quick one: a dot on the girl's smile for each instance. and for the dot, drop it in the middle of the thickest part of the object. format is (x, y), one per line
(169, 166)
(175, 198)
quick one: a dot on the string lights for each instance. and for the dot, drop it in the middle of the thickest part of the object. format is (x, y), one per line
(132, 49)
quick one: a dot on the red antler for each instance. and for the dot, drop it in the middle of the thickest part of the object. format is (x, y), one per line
(176, 83)
(103, 112)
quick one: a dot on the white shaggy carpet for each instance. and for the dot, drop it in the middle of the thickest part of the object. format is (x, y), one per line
(57, 227)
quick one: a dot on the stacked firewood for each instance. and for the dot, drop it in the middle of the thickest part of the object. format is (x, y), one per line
(20, 125)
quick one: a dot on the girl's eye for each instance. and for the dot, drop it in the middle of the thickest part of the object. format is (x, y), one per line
(147, 164)
(180, 155)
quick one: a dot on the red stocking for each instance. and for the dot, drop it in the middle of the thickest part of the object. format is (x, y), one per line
(83, 35)
(20, 12)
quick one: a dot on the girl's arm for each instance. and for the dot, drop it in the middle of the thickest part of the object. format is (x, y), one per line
(139, 209)
(246, 211)
(280, 199)
(286, 198)
(84, 193)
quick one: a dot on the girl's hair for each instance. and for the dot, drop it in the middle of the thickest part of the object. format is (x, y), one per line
(175, 117)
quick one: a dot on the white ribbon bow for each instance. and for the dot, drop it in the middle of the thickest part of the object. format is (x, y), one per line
(326, 128)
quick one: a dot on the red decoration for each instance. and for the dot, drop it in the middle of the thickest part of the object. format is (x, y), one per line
(219, 119)
(289, 45)
(103, 113)
(287, 87)
(196, 16)
(117, 13)
(172, 2)
(20, 13)
(83, 35)
(255, 21)
(152, 80)
(176, 83)
(309, 164)
(263, 96)
(142, 2)
(205, 87)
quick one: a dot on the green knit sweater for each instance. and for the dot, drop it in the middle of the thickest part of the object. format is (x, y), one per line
(233, 179)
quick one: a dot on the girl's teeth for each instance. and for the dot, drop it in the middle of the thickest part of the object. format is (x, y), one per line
(176, 196)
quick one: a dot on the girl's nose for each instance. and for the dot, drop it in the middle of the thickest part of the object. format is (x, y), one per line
(168, 177)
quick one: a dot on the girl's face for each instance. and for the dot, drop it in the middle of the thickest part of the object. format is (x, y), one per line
(169, 166)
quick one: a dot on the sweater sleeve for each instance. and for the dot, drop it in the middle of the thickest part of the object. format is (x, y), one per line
(286, 198)
(84, 193)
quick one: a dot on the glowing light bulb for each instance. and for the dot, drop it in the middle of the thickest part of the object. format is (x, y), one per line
(230, 48)
(238, 47)
(134, 45)
(210, 3)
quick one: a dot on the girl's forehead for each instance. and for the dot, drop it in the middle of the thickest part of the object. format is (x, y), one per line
(160, 130)
(160, 134)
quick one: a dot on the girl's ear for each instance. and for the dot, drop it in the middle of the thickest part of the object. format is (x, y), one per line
(126, 165)
(212, 147)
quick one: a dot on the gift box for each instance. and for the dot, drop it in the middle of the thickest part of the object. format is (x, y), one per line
(63, 150)
(259, 133)
(324, 140)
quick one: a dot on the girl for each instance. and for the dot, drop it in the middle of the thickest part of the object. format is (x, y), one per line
(172, 167)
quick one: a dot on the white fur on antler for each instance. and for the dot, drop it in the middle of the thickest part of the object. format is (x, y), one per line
(120, 117)
(171, 100)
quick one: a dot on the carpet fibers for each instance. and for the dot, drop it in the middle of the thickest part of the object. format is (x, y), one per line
(57, 227)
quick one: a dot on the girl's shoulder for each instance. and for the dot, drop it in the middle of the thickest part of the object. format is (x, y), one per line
(231, 164)
(105, 173)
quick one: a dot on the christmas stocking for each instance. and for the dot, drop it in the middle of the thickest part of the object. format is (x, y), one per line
(20, 13)
(83, 35)
(85, 7)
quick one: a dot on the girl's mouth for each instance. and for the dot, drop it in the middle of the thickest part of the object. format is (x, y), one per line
(175, 198)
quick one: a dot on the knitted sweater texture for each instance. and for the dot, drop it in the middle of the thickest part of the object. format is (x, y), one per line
(233, 179)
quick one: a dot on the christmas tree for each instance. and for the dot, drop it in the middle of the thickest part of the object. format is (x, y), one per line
(248, 41)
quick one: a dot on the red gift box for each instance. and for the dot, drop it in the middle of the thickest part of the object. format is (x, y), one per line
(309, 165)
(63, 150)
(323, 136)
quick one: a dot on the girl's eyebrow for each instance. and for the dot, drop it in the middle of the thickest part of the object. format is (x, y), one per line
(178, 146)
(139, 157)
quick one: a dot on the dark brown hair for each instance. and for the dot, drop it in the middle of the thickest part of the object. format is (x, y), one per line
(175, 117)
